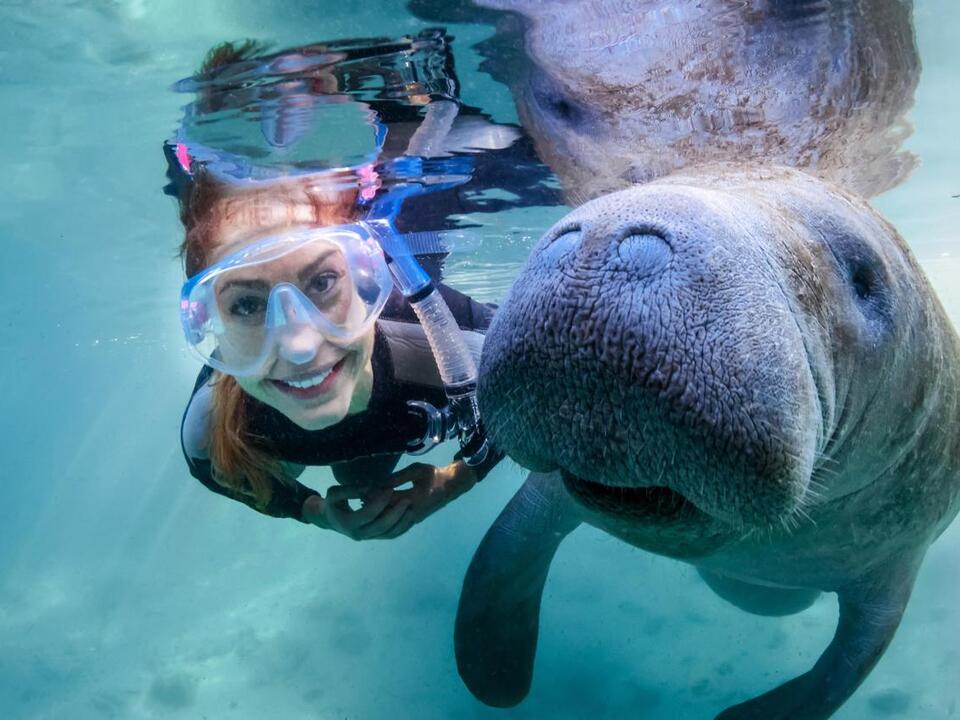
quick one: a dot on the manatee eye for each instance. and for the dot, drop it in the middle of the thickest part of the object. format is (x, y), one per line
(552, 98)
(864, 278)
(569, 111)
(562, 108)
(863, 281)
(864, 275)
(869, 288)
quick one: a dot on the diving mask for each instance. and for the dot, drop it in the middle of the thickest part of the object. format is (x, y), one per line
(280, 296)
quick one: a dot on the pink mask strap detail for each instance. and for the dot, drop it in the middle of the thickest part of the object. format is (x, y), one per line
(369, 180)
(183, 157)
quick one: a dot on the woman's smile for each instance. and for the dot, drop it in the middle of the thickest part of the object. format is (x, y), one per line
(306, 387)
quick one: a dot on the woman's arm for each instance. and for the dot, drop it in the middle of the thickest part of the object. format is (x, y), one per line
(288, 495)
(286, 501)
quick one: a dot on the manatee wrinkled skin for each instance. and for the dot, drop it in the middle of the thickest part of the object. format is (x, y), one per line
(615, 93)
(740, 367)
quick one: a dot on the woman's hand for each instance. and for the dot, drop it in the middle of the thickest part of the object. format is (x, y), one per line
(387, 512)
(376, 517)
(433, 487)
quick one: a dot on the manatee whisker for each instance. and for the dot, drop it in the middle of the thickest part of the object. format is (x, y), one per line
(827, 460)
(788, 523)
(802, 512)
(823, 474)
(811, 497)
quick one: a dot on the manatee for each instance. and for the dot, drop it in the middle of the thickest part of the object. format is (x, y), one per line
(740, 367)
(615, 93)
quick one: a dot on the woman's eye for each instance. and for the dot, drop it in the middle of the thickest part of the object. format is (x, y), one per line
(248, 306)
(323, 283)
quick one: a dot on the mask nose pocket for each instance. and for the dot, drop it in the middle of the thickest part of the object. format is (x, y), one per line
(289, 319)
(288, 306)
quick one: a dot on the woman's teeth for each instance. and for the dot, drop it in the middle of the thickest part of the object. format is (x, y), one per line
(308, 382)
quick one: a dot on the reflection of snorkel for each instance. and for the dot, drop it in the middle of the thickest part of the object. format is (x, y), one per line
(454, 360)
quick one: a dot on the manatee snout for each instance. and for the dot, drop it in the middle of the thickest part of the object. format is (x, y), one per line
(741, 367)
(650, 349)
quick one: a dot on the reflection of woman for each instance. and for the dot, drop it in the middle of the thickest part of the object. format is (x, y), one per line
(316, 359)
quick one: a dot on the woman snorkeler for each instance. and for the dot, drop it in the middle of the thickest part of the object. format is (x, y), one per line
(312, 356)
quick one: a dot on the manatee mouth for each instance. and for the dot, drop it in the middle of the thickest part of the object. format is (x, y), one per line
(648, 503)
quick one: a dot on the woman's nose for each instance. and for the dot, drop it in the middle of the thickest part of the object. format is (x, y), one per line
(298, 343)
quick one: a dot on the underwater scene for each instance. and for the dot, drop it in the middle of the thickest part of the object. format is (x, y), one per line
(479, 359)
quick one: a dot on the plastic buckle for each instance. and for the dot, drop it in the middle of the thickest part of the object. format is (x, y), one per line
(440, 426)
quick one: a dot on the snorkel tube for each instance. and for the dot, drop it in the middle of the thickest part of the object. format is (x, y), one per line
(458, 371)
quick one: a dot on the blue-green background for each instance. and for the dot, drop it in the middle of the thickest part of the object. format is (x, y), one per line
(128, 591)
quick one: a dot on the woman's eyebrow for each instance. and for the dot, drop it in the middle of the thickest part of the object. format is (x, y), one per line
(252, 284)
(258, 284)
(310, 269)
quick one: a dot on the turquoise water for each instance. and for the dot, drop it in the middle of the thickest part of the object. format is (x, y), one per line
(128, 591)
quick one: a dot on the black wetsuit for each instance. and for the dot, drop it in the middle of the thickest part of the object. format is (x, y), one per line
(361, 447)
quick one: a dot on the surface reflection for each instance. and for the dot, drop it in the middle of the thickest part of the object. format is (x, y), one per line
(615, 95)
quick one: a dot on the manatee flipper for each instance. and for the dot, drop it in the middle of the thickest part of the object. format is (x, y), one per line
(870, 611)
(759, 599)
(499, 614)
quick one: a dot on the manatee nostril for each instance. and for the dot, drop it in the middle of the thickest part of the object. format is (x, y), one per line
(562, 245)
(644, 251)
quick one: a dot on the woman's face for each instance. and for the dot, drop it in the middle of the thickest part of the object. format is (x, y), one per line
(311, 380)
